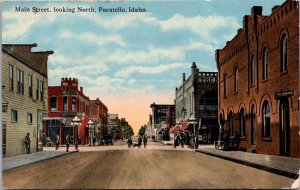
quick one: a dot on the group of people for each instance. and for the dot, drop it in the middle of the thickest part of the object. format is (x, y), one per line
(139, 142)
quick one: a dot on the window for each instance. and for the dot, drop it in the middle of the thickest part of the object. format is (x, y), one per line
(53, 103)
(73, 103)
(20, 80)
(225, 85)
(37, 89)
(252, 71)
(29, 119)
(11, 77)
(14, 116)
(30, 86)
(243, 122)
(236, 71)
(283, 53)
(266, 121)
(231, 127)
(65, 100)
(265, 64)
(42, 90)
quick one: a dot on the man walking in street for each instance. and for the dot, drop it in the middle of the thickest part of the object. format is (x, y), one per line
(145, 141)
(67, 142)
(56, 142)
(27, 143)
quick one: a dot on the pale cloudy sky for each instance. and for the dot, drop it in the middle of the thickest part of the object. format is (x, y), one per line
(129, 60)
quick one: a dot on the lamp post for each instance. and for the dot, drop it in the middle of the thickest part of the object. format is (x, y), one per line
(91, 127)
(192, 120)
(75, 123)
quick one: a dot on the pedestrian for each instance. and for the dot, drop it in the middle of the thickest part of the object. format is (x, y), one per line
(129, 142)
(27, 143)
(67, 142)
(56, 142)
(181, 137)
(145, 141)
(176, 140)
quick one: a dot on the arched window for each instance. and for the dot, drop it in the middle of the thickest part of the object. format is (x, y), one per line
(231, 127)
(266, 120)
(265, 63)
(252, 71)
(253, 125)
(225, 85)
(243, 122)
(236, 71)
(283, 53)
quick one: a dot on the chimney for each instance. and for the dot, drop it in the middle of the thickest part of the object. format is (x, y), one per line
(256, 10)
(81, 89)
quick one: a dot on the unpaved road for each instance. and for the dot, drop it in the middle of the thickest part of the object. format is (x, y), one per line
(140, 168)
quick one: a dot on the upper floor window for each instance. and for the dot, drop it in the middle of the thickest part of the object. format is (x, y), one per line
(236, 71)
(266, 120)
(65, 100)
(42, 90)
(20, 80)
(11, 77)
(265, 63)
(225, 85)
(283, 53)
(73, 103)
(37, 91)
(14, 115)
(30, 86)
(243, 122)
(53, 103)
(252, 71)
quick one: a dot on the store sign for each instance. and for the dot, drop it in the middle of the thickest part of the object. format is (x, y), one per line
(284, 94)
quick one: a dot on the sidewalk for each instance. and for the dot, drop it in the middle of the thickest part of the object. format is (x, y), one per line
(24, 159)
(285, 166)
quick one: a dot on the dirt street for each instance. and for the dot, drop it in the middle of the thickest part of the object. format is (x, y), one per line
(140, 168)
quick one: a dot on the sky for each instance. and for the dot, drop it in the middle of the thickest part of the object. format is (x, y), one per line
(128, 59)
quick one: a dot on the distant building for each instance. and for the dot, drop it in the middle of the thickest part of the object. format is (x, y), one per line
(113, 125)
(24, 96)
(98, 114)
(259, 81)
(163, 117)
(64, 103)
(198, 96)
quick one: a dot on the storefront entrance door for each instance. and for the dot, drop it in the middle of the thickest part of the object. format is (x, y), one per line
(284, 127)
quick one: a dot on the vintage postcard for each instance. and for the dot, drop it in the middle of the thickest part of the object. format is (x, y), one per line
(162, 94)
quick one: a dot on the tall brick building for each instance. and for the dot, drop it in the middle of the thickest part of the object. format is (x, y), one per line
(99, 116)
(259, 81)
(64, 103)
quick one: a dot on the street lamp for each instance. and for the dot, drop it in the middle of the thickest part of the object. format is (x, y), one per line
(75, 123)
(91, 127)
(192, 120)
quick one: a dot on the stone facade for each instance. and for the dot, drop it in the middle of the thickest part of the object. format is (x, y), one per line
(25, 92)
(198, 96)
(259, 81)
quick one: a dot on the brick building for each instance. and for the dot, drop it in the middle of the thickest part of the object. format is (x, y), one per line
(259, 81)
(24, 96)
(163, 117)
(99, 116)
(114, 126)
(64, 103)
(198, 96)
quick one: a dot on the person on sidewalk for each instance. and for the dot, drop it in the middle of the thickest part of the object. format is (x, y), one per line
(27, 143)
(67, 142)
(56, 142)
(145, 141)
(176, 140)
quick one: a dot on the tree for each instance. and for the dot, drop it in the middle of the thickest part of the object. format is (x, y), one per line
(142, 130)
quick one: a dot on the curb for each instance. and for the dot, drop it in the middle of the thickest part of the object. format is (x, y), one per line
(255, 165)
(37, 161)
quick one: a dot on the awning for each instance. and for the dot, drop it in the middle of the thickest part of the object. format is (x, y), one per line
(175, 129)
(185, 125)
(53, 118)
